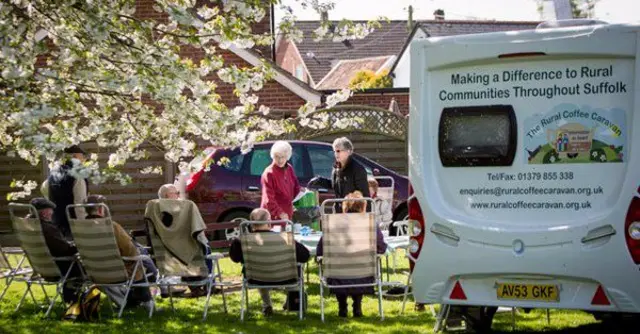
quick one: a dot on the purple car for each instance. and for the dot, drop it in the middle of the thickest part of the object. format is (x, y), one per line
(233, 189)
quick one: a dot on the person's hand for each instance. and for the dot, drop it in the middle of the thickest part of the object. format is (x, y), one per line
(284, 216)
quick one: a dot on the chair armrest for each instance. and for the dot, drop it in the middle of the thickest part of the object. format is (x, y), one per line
(136, 258)
(215, 256)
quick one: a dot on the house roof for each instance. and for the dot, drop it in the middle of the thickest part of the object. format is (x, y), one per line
(386, 40)
(389, 39)
(341, 74)
(300, 88)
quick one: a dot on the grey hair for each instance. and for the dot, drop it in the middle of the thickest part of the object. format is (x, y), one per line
(281, 147)
(162, 192)
(343, 143)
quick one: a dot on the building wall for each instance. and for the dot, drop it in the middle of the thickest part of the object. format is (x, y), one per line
(288, 57)
(402, 72)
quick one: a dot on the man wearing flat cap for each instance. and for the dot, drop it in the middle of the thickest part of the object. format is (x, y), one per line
(57, 244)
(64, 189)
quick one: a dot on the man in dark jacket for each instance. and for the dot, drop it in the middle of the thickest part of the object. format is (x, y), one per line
(63, 189)
(235, 253)
(58, 245)
(348, 174)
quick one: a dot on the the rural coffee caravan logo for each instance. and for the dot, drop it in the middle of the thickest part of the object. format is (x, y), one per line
(575, 134)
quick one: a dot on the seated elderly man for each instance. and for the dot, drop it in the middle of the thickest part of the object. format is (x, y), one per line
(168, 191)
(58, 245)
(138, 295)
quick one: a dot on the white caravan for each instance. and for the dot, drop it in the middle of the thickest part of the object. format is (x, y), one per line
(524, 158)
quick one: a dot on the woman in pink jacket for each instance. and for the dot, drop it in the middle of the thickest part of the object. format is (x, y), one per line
(279, 183)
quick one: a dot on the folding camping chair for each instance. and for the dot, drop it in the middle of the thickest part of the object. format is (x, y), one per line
(170, 266)
(100, 255)
(9, 272)
(349, 250)
(45, 270)
(386, 188)
(270, 258)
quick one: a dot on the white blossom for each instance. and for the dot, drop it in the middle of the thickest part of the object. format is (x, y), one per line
(121, 82)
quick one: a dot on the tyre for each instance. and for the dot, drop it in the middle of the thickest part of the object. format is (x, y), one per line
(231, 233)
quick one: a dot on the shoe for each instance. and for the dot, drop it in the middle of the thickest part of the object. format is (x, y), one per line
(150, 305)
(197, 291)
(357, 311)
(419, 307)
(342, 313)
(267, 311)
(175, 292)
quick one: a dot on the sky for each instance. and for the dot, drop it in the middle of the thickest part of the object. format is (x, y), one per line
(613, 11)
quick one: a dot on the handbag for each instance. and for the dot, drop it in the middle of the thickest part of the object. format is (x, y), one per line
(86, 308)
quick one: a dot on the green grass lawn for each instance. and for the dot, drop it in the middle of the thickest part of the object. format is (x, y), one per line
(188, 316)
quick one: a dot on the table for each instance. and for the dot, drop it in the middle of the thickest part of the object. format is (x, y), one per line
(393, 243)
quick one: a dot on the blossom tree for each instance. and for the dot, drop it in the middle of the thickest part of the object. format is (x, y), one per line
(78, 71)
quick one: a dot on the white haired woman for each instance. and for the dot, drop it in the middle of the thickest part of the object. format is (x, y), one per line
(279, 183)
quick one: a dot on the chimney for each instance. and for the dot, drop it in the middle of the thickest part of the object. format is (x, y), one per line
(410, 20)
(438, 15)
(324, 16)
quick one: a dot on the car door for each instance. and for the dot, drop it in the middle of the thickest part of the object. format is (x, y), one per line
(321, 159)
(258, 160)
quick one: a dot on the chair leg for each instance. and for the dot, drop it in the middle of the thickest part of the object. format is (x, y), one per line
(548, 318)
(406, 294)
(206, 303)
(301, 293)
(27, 290)
(224, 298)
(171, 298)
(380, 300)
(6, 287)
(441, 318)
(321, 300)
(242, 302)
(52, 303)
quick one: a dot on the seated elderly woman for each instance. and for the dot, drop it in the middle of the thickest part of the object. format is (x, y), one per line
(353, 203)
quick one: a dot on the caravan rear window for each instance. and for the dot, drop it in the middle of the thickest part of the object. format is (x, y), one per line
(478, 136)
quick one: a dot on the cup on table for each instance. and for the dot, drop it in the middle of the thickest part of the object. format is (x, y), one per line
(276, 228)
(297, 227)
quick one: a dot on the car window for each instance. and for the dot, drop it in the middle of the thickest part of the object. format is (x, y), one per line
(322, 159)
(234, 162)
(365, 165)
(261, 159)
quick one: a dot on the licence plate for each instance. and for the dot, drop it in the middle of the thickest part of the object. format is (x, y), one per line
(536, 292)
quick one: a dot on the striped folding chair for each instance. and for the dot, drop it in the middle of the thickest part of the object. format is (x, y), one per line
(8, 272)
(349, 250)
(45, 270)
(170, 266)
(100, 255)
(386, 187)
(270, 258)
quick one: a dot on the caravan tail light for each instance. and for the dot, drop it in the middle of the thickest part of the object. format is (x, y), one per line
(632, 229)
(416, 220)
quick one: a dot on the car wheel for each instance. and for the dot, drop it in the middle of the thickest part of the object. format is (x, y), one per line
(232, 233)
